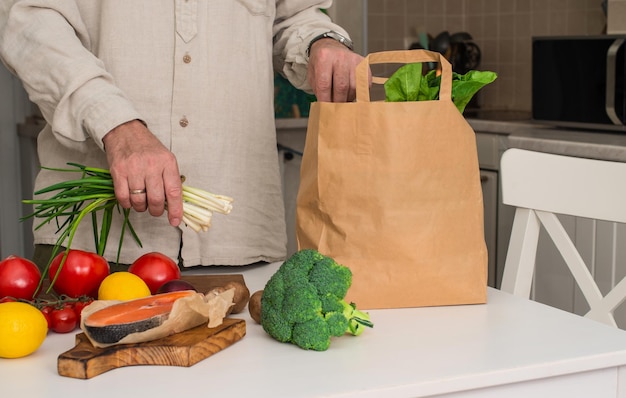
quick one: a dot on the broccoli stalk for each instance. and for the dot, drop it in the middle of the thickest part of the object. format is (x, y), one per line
(303, 302)
(357, 320)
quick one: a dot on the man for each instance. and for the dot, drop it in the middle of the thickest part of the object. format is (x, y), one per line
(156, 89)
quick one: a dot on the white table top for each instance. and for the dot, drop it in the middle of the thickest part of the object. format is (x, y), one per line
(414, 352)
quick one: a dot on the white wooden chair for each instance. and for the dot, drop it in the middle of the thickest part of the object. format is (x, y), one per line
(541, 185)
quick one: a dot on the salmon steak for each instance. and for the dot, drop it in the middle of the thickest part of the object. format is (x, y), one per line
(111, 324)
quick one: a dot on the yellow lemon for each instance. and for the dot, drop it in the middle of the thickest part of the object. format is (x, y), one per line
(23, 328)
(122, 285)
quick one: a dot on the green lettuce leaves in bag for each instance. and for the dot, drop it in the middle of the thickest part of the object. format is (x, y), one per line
(408, 84)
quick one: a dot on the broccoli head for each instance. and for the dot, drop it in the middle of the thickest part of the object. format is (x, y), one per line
(303, 302)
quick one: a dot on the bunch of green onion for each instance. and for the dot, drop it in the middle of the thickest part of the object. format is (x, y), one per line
(199, 206)
(93, 192)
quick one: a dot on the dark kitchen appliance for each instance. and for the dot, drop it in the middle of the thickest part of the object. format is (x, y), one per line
(461, 51)
(580, 81)
(458, 48)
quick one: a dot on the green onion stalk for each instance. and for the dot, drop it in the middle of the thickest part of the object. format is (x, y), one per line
(93, 192)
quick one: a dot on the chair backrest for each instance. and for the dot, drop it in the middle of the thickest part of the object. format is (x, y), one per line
(542, 185)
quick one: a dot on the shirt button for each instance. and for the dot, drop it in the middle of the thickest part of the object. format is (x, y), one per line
(184, 122)
(187, 58)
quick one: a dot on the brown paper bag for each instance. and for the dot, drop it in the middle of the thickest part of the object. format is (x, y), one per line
(392, 190)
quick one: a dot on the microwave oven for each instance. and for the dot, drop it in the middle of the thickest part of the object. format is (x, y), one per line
(580, 81)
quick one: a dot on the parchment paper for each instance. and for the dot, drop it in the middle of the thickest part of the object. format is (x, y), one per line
(187, 312)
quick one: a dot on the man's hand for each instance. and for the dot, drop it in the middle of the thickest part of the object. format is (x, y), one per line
(331, 72)
(145, 173)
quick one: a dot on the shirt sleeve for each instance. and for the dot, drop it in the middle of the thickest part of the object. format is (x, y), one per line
(297, 23)
(47, 46)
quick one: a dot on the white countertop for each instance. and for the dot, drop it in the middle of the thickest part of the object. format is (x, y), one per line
(509, 347)
(586, 144)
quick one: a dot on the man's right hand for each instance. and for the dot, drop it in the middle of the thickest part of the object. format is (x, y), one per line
(139, 161)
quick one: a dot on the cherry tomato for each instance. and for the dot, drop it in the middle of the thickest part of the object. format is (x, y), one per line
(155, 269)
(80, 275)
(79, 305)
(19, 278)
(63, 320)
(47, 311)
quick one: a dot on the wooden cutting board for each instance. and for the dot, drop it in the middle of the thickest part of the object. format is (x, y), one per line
(204, 283)
(187, 348)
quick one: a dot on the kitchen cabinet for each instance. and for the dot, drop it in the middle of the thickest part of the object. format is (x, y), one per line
(291, 135)
(490, 147)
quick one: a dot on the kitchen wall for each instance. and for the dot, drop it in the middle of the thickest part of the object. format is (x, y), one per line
(501, 28)
(14, 107)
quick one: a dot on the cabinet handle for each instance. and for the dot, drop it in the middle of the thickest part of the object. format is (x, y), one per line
(483, 178)
(611, 73)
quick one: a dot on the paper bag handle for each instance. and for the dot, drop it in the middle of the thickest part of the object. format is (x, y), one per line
(401, 57)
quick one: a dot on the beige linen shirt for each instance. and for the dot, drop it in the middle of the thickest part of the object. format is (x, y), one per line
(199, 73)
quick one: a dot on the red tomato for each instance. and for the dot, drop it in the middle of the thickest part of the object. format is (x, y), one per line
(63, 320)
(47, 311)
(19, 278)
(80, 275)
(7, 299)
(79, 305)
(155, 269)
